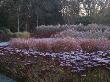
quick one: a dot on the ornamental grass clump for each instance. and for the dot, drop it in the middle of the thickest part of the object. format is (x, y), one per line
(93, 45)
(39, 44)
(43, 45)
(19, 43)
(62, 44)
(50, 44)
(24, 35)
(89, 45)
(103, 45)
(65, 45)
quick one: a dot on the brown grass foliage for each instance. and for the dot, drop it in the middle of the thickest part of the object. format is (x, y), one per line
(103, 44)
(66, 44)
(91, 45)
(88, 45)
(61, 44)
(57, 45)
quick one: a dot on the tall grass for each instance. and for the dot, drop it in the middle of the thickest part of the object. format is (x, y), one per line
(51, 44)
(62, 44)
(66, 44)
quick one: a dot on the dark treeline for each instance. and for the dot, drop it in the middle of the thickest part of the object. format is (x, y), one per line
(20, 15)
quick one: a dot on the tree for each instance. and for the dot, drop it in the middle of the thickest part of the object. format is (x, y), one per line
(70, 10)
(27, 14)
(93, 7)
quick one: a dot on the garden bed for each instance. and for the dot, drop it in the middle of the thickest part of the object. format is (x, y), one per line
(29, 65)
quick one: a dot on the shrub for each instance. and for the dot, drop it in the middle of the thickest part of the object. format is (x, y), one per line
(92, 45)
(70, 33)
(57, 45)
(40, 44)
(62, 44)
(88, 45)
(103, 45)
(47, 31)
(25, 35)
(43, 45)
(2, 36)
(66, 44)
(84, 20)
(92, 31)
(22, 35)
(5, 34)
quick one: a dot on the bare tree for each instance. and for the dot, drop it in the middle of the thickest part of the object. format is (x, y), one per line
(70, 10)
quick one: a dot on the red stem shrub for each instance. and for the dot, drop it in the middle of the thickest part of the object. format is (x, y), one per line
(51, 44)
(66, 44)
(61, 45)
(88, 45)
